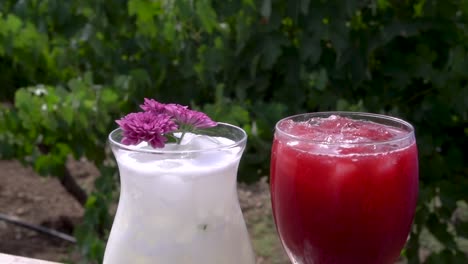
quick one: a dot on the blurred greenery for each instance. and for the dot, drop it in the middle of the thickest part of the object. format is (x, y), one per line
(69, 68)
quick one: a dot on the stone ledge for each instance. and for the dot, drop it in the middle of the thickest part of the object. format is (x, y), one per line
(10, 259)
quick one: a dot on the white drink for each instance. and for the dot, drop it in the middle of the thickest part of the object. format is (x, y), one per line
(180, 207)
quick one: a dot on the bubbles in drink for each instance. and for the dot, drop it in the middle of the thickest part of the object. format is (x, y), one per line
(342, 136)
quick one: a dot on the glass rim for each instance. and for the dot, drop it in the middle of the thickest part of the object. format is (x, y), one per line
(236, 143)
(405, 136)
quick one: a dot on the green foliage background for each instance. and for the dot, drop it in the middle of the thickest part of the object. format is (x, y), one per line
(69, 68)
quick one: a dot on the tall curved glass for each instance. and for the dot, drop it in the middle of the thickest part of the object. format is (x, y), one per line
(344, 187)
(179, 204)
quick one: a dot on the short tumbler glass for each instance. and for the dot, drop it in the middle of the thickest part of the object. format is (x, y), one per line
(344, 187)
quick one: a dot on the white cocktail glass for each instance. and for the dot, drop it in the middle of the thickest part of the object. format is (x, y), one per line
(179, 204)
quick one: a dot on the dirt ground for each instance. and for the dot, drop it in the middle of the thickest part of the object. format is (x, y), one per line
(43, 201)
(36, 200)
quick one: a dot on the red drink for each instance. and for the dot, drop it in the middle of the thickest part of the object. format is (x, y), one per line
(344, 191)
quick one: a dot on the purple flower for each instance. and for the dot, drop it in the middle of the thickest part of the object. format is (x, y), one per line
(158, 120)
(181, 114)
(151, 105)
(173, 109)
(195, 119)
(146, 126)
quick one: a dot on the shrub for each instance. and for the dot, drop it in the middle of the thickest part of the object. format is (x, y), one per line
(245, 62)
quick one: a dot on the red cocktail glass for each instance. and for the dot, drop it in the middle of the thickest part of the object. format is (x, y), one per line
(344, 187)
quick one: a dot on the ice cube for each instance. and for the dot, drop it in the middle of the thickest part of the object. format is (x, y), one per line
(200, 142)
(387, 164)
(344, 169)
(172, 188)
(149, 163)
(143, 145)
(343, 172)
(212, 192)
(209, 155)
(185, 233)
(169, 164)
(140, 157)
